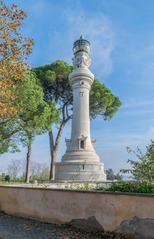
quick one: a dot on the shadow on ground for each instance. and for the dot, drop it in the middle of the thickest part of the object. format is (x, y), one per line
(20, 228)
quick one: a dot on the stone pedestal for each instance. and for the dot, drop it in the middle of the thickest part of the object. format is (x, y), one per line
(80, 162)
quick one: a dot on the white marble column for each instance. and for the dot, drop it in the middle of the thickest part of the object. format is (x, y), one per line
(80, 162)
(80, 135)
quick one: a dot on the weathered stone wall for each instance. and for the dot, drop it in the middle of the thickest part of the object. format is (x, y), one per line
(50, 205)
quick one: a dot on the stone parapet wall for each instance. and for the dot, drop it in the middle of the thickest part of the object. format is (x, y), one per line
(53, 205)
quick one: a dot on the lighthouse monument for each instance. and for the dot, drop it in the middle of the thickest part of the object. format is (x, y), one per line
(80, 163)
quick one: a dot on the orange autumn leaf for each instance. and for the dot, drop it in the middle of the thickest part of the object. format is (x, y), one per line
(14, 49)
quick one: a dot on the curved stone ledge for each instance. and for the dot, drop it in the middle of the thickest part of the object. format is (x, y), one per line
(57, 205)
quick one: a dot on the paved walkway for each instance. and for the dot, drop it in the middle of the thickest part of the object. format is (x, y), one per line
(21, 228)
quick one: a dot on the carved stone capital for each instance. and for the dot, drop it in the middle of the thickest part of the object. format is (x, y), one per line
(81, 60)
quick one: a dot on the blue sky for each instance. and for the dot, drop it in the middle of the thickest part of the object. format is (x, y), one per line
(122, 38)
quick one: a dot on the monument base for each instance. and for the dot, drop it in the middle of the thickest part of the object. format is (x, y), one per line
(79, 172)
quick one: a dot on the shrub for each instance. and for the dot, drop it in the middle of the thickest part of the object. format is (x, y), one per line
(7, 178)
(132, 187)
(142, 168)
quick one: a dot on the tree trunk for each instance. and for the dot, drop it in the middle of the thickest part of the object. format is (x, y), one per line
(52, 155)
(54, 149)
(28, 158)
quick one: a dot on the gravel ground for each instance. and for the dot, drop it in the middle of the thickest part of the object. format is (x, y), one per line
(20, 228)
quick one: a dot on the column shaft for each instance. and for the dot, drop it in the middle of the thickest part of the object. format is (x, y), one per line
(80, 122)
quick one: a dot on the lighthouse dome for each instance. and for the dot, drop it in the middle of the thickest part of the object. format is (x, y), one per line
(81, 45)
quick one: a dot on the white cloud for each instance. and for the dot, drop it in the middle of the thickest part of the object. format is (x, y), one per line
(112, 140)
(95, 28)
(138, 107)
(135, 104)
(98, 30)
(143, 63)
(73, 22)
(150, 134)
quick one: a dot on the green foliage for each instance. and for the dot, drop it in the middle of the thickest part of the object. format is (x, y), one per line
(102, 101)
(111, 176)
(7, 178)
(37, 116)
(18, 180)
(9, 127)
(132, 187)
(55, 82)
(143, 168)
(34, 116)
